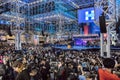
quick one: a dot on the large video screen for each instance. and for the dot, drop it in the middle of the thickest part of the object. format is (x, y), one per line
(88, 14)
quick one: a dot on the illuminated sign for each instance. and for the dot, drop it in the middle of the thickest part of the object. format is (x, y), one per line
(88, 14)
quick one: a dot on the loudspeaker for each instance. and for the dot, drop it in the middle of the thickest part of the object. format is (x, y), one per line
(118, 26)
(102, 23)
(43, 33)
(9, 31)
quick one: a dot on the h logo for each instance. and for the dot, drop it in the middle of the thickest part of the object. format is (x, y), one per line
(89, 15)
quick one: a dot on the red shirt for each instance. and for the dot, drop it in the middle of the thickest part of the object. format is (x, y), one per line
(105, 75)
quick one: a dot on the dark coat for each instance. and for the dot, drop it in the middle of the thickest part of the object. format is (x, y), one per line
(24, 75)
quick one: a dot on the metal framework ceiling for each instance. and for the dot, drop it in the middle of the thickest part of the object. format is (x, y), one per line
(71, 5)
(29, 1)
(75, 4)
(118, 7)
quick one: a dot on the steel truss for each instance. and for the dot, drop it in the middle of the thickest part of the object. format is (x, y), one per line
(62, 18)
(57, 17)
(117, 8)
(109, 9)
(46, 17)
(17, 29)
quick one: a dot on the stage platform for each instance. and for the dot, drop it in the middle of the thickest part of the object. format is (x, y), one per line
(76, 48)
(79, 48)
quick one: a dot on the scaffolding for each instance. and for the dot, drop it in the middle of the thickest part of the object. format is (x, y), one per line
(59, 16)
(42, 14)
(117, 9)
(49, 16)
(109, 9)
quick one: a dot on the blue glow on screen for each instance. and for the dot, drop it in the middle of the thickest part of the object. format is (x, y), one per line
(93, 28)
(88, 14)
(79, 42)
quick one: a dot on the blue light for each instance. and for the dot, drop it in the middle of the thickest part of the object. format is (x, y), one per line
(4, 22)
(93, 28)
(7, 22)
(28, 1)
(1, 22)
(37, 29)
(88, 14)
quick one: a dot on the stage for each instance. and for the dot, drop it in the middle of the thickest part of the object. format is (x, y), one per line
(79, 48)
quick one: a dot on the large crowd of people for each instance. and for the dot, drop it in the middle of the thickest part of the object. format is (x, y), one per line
(48, 63)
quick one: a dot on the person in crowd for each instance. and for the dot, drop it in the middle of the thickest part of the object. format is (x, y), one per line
(81, 75)
(9, 72)
(34, 63)
(33, 74)
(61, 71)
(70, 72)
(2, 71)
(106, 72)
(21, 69)
(44, 69)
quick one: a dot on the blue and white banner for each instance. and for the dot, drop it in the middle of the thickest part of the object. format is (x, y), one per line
(88, 15)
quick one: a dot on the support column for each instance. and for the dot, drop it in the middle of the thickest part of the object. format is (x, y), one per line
(59, 34)
(17, 29)
(18, 40)
(109, 9)
(105, 45)
(108, 42)
(101, 44)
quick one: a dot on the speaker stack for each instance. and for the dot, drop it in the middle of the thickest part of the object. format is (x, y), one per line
(9, 31)
(117, 26)
(102, 24)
